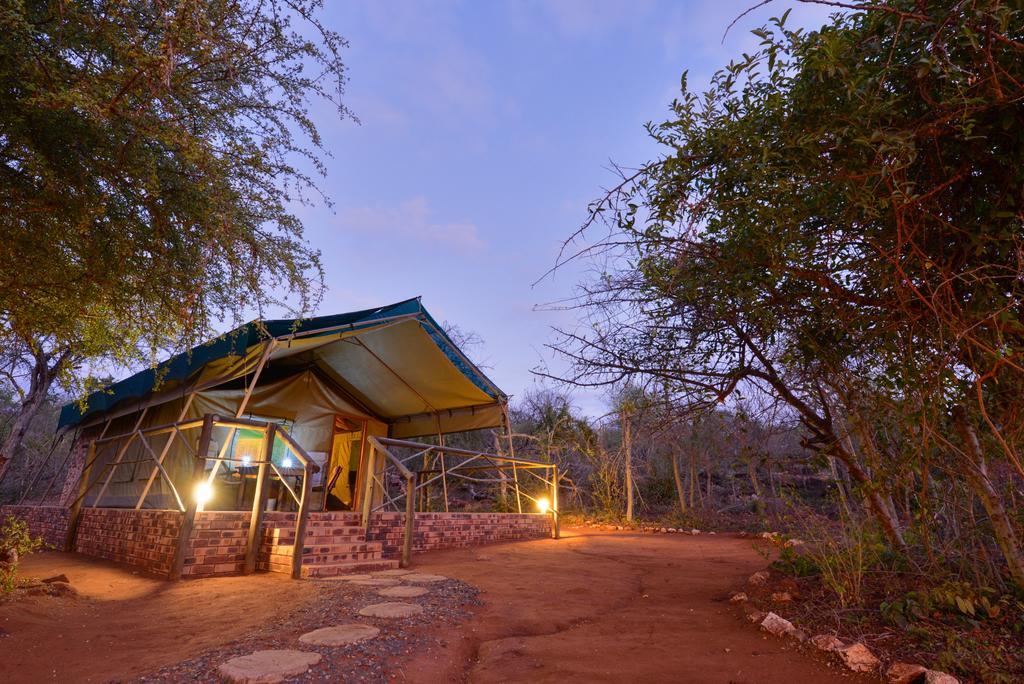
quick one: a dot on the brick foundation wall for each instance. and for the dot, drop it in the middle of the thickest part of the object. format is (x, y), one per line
(449, 530)
(219, 538)
(145, 539)
(48, 522)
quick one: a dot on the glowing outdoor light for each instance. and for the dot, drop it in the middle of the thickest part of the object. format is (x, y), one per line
(286, 461)
(543, 505)
(247, 459)
(203, 493)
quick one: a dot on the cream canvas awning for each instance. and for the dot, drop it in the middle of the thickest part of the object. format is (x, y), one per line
(394, 363)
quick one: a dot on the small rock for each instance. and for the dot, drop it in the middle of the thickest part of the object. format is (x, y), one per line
(781, 597)
(712, 532)
(756, 616)
(936, 677)
(904, 673)
(790, 543)
(672, 530)
(663, 530)
(57, 578)
(758, 578)
(800, 635)
(738, 597)
(859, 658)
(779, 626)
(827, 642)
(695, 531)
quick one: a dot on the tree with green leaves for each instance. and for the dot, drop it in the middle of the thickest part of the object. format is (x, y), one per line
(152, 154)
(838, 223)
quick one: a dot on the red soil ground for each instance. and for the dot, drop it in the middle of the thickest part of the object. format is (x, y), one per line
(593, 606)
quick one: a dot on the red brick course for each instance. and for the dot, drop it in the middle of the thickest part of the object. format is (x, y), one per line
(145, 539)
(448, 530)
(48, 522)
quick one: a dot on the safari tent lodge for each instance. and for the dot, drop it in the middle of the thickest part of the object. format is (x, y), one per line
(221, 460)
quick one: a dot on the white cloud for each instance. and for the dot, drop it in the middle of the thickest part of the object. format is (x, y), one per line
(412, 220)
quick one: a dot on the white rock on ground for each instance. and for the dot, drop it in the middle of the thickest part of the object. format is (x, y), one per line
(779, 626)
(936, 677)
(391, 610)
(339, 635)
(738, 597)
(859, 658)
(758, 578)
(417, 577)
(267, 667)
(904, 673)
(403, 592)
(827, 642)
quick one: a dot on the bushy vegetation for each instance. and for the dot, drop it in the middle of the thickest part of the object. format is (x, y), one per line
(15, 542)
(828, 247)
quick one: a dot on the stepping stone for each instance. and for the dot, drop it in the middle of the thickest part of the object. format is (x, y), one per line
(403, 592)
(397, 572)
(267, 667)
(391, 610)
(423, 577)
(376, 582)
(339, 635)
(346, 578)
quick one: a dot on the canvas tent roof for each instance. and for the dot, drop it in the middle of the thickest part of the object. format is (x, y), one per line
(395, 361)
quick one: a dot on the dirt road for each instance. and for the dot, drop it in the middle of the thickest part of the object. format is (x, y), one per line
(616, 607)
(593, 606)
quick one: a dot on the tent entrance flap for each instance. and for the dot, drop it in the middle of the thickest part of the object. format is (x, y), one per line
(347, 446)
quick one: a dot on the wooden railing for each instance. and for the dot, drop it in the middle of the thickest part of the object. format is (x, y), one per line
(190, 504)
(429, 464)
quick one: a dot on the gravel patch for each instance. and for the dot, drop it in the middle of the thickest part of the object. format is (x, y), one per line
(374, 660)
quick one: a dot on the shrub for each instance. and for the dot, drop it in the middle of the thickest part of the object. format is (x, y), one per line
(15, 542)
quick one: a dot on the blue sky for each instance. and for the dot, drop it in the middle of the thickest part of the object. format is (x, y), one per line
(486, 129)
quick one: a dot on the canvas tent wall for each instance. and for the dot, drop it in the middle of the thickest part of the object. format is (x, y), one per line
(392, 367)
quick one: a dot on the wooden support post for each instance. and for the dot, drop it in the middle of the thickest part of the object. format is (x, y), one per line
(512, 455)
(555, 523)
(188, 518)
(301, 518)
(410, 520)
(444, 481)
(75, 513)
(259, 504)
(371, 463)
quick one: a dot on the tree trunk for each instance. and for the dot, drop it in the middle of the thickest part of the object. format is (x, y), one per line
(627, 446)
(27, 412)
(976, 473)
(758, 495)
(680, 492)
(693, 479)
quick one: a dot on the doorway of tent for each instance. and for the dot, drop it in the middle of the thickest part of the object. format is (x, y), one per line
(348, 452)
